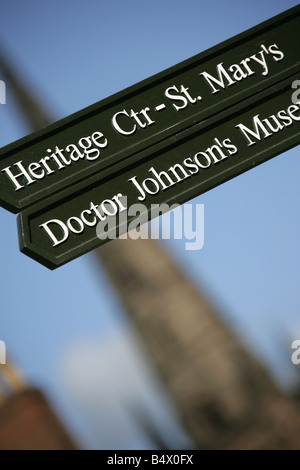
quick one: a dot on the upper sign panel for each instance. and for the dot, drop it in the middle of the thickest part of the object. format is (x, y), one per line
(139, 117)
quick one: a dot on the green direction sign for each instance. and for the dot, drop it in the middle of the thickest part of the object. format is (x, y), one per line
(81, 218)
(145, 114)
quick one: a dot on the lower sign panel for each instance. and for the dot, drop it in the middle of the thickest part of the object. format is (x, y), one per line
(104, 206)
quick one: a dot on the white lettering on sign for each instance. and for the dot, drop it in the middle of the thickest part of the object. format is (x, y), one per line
(182, 95)
(128, 122)
(59, 231)
(156, 180)
(180, 171)
(264, 128)
(87, 147)
(227, 76)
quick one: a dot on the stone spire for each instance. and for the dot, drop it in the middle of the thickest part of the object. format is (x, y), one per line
(224, 396)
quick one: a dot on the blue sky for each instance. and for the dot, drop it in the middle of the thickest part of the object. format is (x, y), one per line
(73, 53)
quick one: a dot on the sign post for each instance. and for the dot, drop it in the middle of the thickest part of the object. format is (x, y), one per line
(118, 128)
(163, 141)
(83, 217)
